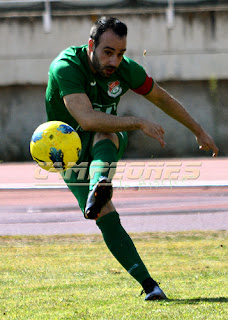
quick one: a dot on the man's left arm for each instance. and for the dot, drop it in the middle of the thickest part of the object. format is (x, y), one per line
(174, 109)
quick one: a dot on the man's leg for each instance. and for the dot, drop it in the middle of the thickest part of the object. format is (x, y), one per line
(105, 156)
(115, 236)
(123, 249)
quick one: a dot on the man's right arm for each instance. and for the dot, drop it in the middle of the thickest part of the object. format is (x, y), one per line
(80, 107)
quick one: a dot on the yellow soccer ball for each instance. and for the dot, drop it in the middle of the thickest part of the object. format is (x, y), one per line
(55, 146)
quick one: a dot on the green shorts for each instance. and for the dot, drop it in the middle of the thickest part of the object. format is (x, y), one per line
(76, 177)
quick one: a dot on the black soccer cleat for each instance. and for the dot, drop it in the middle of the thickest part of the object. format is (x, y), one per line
(98, 197)
(152, 290)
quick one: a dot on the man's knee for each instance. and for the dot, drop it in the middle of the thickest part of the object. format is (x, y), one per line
(108, 207)
(108, 135)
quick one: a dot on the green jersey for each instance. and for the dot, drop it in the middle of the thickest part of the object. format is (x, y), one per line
(70, 73)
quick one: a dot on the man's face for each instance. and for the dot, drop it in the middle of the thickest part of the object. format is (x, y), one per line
(106, 57)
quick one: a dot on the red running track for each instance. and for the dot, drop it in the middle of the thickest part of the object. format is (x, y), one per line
(34, 202)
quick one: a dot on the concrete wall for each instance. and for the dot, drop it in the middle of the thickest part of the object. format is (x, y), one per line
(190, 61)
(22, 110)
(195, 49)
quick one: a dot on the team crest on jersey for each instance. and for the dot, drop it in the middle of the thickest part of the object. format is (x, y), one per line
(114, 89)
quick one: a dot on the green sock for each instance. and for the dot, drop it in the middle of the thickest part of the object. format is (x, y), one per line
(121, 246)
(104, 155)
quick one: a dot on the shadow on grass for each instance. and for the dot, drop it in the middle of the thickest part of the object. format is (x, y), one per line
(198, 300)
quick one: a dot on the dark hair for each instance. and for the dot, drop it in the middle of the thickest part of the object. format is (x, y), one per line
(105, 23)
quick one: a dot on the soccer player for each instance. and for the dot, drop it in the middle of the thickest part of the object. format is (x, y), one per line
(84, 88)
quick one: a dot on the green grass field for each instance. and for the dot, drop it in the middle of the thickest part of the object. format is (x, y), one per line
(75, 277)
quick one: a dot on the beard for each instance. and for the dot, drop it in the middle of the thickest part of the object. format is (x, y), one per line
(101, 69)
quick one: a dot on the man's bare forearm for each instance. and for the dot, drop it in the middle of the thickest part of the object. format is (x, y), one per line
(98, 121)
(175, 110)
(89, 119)
(102, 122)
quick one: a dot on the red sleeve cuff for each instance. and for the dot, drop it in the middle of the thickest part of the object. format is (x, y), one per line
(146, 87)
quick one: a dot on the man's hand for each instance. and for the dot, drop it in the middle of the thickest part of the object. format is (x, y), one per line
(207, 143)
(175, 110)
(154, 130)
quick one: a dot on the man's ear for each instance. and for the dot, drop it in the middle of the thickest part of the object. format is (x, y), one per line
(91, 45)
